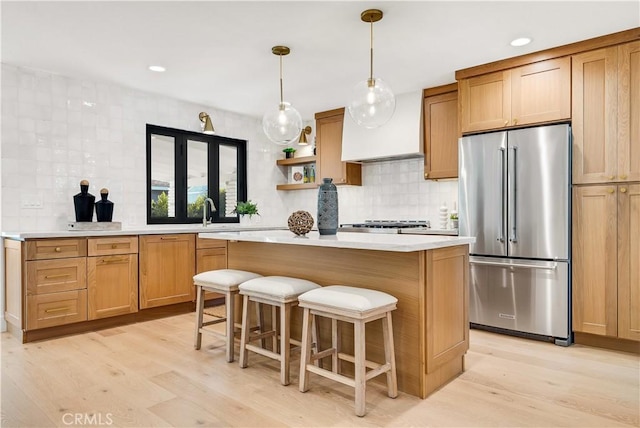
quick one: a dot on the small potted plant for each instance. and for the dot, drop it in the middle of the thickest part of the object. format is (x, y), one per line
(454, 221)
(245, 211)
(288, 152)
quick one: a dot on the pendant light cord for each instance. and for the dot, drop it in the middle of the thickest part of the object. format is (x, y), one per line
(371, 56)
(281, 91)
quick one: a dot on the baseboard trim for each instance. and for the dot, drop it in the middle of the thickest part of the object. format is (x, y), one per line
(607, 342)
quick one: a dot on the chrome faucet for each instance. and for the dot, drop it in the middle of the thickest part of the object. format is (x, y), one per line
(204, 210)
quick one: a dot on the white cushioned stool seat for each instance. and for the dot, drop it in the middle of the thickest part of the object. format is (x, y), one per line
(357, 306)
(281, 293)
(280, 288)
(224, 281)
(351, 299)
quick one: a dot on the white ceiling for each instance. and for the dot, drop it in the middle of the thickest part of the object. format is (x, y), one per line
(218, 53)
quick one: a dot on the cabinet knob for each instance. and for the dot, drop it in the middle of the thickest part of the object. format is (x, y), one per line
(610, 190)
(515, 121)
(58, 249)
(506, 122)
(114, 246)
(623, 190)
(623, 177)
(611, 177)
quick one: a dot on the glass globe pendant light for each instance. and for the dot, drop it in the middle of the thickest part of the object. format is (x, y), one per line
(372, 100)
(282, 124)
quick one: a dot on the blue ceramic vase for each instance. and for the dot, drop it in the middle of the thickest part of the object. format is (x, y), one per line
(327, 207)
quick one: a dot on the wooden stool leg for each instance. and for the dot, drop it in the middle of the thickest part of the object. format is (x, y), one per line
(305, 354)
(360, 368)
(315, 340)
(230, 323)
(199, 314)
(244, 335)
(285, 345)
(335, 361)
(390, 355)
(260, 320)
(274, 327)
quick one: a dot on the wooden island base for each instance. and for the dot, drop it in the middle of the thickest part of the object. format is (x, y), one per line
(431, 326)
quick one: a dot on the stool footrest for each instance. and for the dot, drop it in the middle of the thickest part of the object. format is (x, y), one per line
(351, 359)
(331, 375)
(263, 351)
(214, 322)
(323, 354)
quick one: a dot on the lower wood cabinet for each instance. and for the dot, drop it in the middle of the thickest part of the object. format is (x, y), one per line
(55, 282)
(167, 268)
(606, 260)
(112, 276)
(54, 309)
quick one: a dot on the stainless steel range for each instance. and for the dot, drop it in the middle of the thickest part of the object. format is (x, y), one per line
(414, 227)
(384, 226)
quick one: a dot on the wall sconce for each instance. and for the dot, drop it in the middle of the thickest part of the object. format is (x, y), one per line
(207, 126)
(302, 141)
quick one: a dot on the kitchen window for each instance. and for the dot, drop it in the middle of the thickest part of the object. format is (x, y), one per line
(184, 168)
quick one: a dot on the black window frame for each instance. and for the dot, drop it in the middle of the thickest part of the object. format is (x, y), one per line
(214, 142)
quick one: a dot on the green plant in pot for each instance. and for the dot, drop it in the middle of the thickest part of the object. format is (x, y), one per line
(288, 152)
(246, 210)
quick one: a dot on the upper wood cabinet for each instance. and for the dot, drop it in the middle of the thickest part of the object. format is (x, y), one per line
(535, 93)
(606, 123)
(329, 150)
(606, 260)
(441, 132)
(167, 267)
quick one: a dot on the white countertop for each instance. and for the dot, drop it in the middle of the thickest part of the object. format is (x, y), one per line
(143, 230)
(355, 240)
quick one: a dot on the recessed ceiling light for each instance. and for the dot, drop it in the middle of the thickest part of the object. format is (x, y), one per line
(521, 41)
(157, 68)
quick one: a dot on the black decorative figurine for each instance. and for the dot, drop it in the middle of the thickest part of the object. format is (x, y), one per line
(104, 207)
(83, 203)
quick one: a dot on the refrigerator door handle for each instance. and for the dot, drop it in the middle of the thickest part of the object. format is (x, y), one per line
(546, 266)
(501, 186)
(513, 172)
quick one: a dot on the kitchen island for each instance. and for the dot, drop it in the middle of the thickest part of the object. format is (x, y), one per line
(427, 274)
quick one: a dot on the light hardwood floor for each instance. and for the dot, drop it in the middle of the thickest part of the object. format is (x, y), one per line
(148, 374)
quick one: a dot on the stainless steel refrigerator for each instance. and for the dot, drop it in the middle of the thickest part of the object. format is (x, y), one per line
(515, 198)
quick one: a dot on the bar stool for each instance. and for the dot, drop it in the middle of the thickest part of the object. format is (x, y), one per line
(281, 293)
(357, 306)
(225, 281)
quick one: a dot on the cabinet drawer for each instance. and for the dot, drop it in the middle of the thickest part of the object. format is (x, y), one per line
(51, 276)
(48, 310)
(112, 245)
(211, 243)
(40, 249)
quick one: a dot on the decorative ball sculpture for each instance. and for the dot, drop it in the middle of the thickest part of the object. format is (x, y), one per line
(300, 222)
